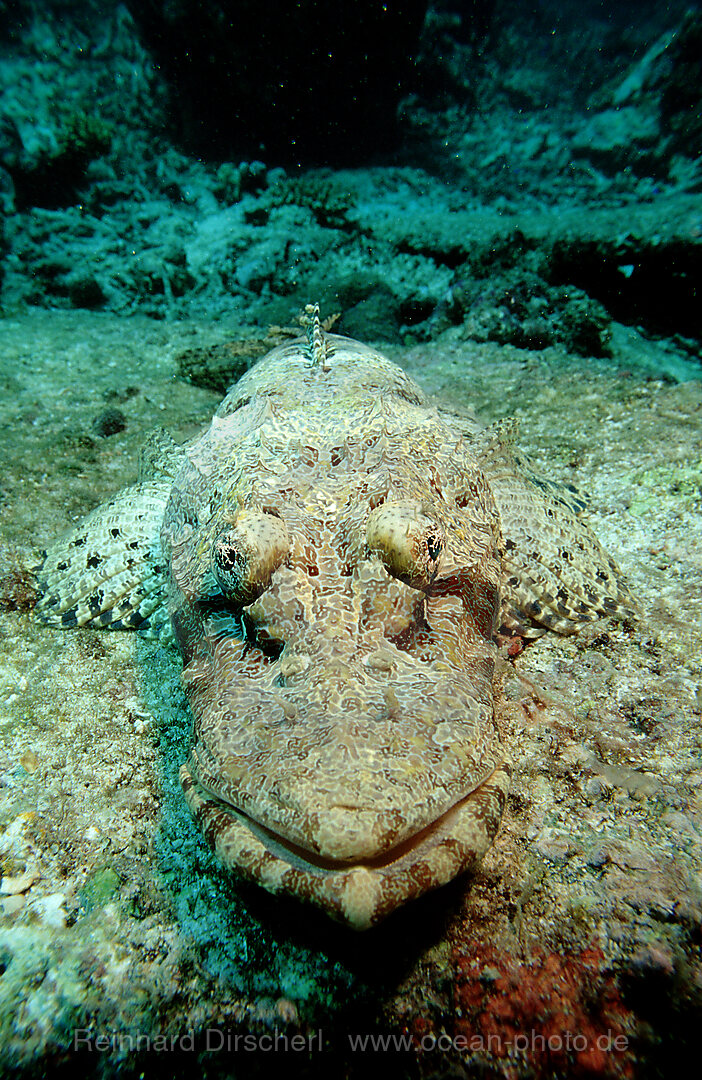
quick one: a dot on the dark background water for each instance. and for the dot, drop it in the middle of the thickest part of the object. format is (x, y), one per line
(415, 166)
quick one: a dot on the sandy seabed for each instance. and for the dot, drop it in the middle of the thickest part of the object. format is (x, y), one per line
(575, 947)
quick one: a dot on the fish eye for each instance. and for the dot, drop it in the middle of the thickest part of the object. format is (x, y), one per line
(246, 554)
(435, 544)
(408, 543)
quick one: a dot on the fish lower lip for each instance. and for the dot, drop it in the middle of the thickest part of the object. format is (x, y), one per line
(363, 892)
(295, 853)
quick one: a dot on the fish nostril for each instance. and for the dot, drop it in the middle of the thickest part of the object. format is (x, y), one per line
(294, 664)
(380, 660)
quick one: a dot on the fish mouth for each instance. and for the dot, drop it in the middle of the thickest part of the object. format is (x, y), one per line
(362, 892)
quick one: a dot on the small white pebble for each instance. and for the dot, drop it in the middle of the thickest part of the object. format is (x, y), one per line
(29, 761)
(10, 905)
(50, 909)
(11, 886)
(13, 832)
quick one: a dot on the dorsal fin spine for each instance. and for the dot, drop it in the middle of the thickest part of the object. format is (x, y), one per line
(316, 342)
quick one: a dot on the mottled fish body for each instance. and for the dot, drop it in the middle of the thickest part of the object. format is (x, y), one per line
(337, 558)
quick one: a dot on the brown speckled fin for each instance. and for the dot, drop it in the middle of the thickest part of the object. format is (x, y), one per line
(160, 457)
(556, 574)
(109, 570)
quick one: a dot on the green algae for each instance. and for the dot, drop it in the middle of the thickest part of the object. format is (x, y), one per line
(99, 889)
(683, 481)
